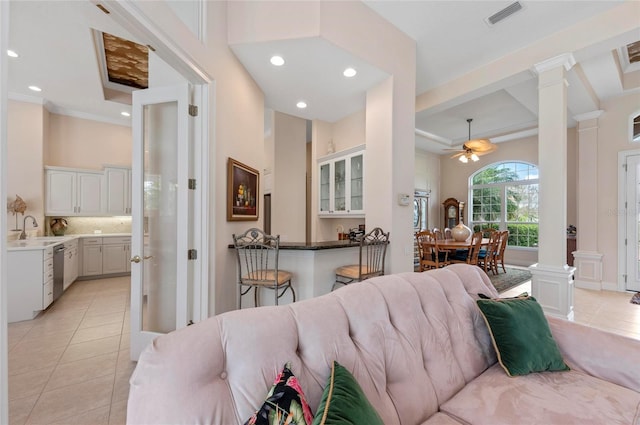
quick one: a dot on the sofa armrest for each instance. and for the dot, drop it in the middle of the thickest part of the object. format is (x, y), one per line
(602, 354)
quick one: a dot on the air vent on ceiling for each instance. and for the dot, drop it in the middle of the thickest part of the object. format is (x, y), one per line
(504, 13)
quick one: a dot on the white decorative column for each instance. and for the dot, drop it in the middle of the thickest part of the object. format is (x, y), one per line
(552, 280)
(588, 260)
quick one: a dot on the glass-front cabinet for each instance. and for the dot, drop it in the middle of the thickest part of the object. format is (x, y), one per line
(342, 185)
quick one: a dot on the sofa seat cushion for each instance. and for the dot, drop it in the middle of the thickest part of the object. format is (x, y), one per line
(441, 419)
(549, 398)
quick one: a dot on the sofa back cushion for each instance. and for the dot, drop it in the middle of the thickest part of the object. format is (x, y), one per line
(411, 340)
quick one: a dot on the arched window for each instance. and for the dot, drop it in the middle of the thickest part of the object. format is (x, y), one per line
(504, 196)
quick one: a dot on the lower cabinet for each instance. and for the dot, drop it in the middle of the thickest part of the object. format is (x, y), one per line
(92, 256)
(30, 283)
(105, 255)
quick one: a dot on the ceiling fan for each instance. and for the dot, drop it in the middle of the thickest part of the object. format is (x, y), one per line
(473, 149)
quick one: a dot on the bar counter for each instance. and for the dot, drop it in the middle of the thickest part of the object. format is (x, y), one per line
(313, 266)
(316, 246)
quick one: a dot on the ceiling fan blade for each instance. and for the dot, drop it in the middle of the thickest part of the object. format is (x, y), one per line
(458, 154)
(485, 150)
(480, 146)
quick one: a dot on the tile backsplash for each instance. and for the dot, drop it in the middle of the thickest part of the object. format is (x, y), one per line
(88, 225)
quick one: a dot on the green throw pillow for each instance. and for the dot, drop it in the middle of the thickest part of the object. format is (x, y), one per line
(343, 401)
(521, 335)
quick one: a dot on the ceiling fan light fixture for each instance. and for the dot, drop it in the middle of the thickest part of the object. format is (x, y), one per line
(474, 157)
(463, 159)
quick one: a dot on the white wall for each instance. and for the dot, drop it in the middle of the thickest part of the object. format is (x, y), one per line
(25, 164)
(288, 200)
(79, 143)
(613, 137)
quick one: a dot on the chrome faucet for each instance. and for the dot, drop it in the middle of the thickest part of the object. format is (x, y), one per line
(23, 235)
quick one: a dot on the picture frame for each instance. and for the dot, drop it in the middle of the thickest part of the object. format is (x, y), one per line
(243, 185)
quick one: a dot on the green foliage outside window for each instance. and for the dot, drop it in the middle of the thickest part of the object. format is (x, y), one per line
(517, 182)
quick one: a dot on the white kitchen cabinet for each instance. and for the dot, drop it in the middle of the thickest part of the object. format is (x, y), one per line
(30, 283)
(341, 180)
(118, 190)
(71, 192)
(70, 263)
(106, 255)
(92, 257)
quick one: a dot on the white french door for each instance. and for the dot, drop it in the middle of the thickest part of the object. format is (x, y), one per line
(161, 276)
(632, 188)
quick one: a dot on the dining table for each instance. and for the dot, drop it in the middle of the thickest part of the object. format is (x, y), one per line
(452, 244)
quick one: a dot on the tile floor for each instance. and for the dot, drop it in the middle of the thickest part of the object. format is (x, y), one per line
(606, 310)
(70, 365)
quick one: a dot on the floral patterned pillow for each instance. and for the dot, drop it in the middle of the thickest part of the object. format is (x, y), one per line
(285, 403)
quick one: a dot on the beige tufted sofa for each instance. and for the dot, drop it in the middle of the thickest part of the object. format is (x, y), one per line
(415, 342)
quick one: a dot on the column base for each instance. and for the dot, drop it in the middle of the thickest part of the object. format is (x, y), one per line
(552, 286)
(588, 270)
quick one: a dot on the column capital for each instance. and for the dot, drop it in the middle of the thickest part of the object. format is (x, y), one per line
(588, 115)
(566, 60)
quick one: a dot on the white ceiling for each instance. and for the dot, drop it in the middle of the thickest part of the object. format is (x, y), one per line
(57, 53)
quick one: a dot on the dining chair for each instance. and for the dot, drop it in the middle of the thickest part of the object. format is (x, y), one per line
(431, 255)
(488, 231)
(504, 240)
(257, 254)
(439, 234)
(469, 256)
(373, 249)
(486, 257)
(447, 233)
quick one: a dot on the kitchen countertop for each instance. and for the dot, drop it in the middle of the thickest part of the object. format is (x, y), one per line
(44, 242)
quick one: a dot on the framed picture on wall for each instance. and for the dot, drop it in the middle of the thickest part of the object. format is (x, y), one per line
(242, 191)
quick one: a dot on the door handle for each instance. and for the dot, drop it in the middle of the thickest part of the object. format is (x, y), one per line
(137, 259)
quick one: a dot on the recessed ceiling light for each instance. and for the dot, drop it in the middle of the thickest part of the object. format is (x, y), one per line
(349, 72)
(12, 54)
(277, 60)
(125, 114)
(35, 88)
(301, 105)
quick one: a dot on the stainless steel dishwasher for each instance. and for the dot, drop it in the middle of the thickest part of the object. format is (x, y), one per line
(58, 271)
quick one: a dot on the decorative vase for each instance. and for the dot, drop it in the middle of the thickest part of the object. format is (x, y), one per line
(460, 232)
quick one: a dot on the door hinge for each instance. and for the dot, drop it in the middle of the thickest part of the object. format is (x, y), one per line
(192, 254)
(193, 110)
(624, 166)
(625, 242)
(192, 184)
(625, 278)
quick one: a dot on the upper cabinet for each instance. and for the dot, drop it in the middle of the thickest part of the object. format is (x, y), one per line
(118, 188)
(341, 179)
(73, 193)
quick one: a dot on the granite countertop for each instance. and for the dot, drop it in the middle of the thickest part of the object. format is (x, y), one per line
(315, 246)
(43, 242)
